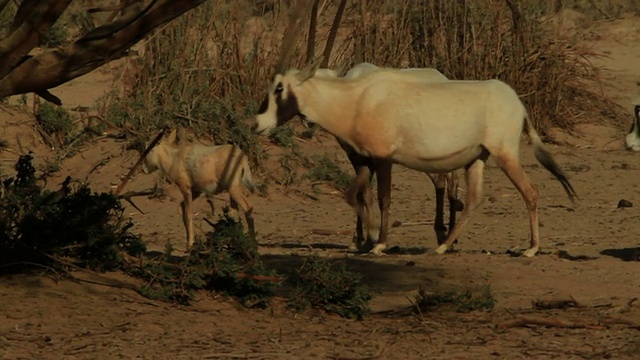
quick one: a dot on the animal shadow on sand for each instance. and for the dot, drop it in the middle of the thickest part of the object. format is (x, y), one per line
(624, 254)
(380, 276)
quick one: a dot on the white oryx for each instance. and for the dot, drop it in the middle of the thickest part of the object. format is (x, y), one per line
(632, 141)
(431, 127)
(358, 194)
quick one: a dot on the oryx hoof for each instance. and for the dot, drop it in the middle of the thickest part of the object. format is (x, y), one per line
(531, 252)
(378, 249)
(441, 249)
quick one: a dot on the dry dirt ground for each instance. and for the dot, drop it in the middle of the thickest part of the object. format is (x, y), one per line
(41, 318)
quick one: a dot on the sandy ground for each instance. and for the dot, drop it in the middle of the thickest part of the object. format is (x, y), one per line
(41, 318)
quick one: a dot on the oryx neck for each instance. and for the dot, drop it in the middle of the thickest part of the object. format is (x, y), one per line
(328, 103)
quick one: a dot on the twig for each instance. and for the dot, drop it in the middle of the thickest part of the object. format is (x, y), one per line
(242, 356)
(241, 275)
(559, 323)
(128, 195)
(327, 232)
(554, 304)
(399, 223)
(376, 356)
(137, 164)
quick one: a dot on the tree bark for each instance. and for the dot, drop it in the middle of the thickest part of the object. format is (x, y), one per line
(32, 19)
(112, 41)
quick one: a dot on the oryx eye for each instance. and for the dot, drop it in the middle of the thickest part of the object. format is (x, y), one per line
(279, 88)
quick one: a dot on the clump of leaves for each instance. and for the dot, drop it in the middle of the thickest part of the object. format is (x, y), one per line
(54, 119)
(64, 227)
(327, 170)
(283, 136)
(461, 300)
(331, 287)
(227, 261)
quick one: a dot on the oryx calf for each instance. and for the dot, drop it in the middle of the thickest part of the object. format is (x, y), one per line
(431, 127)
(198, 169)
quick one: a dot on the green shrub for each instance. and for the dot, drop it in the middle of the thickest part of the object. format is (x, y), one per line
(63, 227)
(227, 262)
(331, 287)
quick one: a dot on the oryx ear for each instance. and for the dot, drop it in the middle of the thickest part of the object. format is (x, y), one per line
(171, 139)
(308, 72)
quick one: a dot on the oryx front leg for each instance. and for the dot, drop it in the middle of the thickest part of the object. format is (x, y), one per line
(383, 174)
(474, 174)
(440, 182)
(187, 214)
(515, 172)
(455, 205)
(358, 195)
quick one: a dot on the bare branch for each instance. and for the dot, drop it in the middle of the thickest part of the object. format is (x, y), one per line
(3, 4)
(291, 33)
(45, 94)
(58, 66)
(116, 8)
(106, 31)
(33, 18)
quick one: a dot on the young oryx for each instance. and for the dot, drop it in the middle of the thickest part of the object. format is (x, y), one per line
(632, 141)
(431, 127)
(198, 169)
(358, 194)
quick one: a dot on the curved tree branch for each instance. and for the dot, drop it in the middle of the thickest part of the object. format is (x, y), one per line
(32, 19)
(57, 66)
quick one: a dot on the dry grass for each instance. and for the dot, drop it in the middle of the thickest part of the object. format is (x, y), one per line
(207, 70)
(484, 40)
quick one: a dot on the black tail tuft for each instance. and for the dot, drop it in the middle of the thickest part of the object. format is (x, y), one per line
(550, 164)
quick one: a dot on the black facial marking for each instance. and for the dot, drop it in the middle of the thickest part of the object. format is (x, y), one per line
(279, 88)
(287, 108)
(636, 123)
(264, 105)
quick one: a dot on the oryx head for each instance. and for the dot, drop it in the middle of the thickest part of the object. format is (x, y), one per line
(632, 141)
(281, 103)
(152, 161)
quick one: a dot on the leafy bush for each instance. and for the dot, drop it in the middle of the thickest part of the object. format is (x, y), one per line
(227, 261)
(327, 170)
(333, 288)
(58, 228)
(54, 119)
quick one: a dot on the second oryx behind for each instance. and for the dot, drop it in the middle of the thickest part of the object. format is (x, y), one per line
(431, 127)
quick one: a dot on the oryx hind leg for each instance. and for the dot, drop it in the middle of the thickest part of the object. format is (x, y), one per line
(238, 200)
(474, 179)
(512, 167)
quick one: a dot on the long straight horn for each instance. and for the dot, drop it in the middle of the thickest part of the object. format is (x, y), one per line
(333, 32)
(311, 39)
(291, 34)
